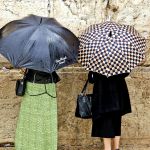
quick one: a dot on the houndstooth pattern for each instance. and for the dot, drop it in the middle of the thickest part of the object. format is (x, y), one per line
(113, 55)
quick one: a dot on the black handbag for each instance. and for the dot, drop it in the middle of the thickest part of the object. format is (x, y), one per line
(21, 85)
(84, 104)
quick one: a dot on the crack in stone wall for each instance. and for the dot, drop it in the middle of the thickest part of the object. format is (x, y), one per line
(6, 5)
(49, 6)
(72, 6)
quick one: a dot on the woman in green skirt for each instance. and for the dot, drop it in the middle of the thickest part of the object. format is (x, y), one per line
(37, 122)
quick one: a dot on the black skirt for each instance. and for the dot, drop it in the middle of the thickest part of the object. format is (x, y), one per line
(107, 126)
(110, 95)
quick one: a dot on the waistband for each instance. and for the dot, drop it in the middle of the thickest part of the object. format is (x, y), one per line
(42, 77)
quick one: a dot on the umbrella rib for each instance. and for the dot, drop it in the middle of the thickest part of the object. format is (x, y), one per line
(61, 39)
(24, 49)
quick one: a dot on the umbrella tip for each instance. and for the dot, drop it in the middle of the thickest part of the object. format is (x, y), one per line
(110, 34)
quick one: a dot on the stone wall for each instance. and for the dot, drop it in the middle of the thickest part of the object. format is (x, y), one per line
(74, 134)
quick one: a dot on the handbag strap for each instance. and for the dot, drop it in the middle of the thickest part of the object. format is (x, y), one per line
(85, 86)
(25, 73)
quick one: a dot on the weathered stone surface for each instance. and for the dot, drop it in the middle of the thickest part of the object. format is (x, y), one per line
(135, 12)
(15, 9)
(74, 133)
(8, 109)
(80, 14)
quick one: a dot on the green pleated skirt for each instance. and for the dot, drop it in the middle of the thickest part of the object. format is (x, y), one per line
(37, 122)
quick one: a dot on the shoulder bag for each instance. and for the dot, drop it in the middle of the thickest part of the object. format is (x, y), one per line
(84, 104)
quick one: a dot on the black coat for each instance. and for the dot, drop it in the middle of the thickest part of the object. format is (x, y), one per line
(110, 94)
(41, 77)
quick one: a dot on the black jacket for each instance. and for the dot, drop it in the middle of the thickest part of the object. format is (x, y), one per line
(41, 77)
(110, 94)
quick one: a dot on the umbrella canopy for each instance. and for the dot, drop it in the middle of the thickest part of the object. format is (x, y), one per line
(110, 48)
(38, 43)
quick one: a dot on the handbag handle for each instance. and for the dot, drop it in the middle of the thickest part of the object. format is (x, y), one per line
(85, 86)
(25, 73)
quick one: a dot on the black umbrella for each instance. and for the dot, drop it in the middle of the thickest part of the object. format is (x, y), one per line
(38, 43)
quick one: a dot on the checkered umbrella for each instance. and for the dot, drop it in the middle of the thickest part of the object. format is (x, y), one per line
(110, 48)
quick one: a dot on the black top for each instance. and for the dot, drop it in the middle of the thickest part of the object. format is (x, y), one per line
(110, 94)
(41, 77)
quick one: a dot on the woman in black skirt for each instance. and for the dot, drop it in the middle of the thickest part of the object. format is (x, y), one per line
(111, 101)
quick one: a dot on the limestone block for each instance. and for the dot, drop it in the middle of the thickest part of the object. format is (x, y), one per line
(76, 14)
(9, 107)
(16, 9)
(147, 62)
(134, 12)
